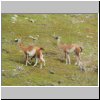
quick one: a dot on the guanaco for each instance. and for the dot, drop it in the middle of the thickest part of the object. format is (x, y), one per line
(69, 48)
(31, 52)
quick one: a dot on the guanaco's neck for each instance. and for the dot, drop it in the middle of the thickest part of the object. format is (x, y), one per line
(58, 42)
(60, 46)
(21, 46)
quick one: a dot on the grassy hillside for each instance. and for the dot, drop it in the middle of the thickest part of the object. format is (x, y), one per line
(73, 28)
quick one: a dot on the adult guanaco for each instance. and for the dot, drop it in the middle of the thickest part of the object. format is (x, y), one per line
(31, 52)
(69, 48)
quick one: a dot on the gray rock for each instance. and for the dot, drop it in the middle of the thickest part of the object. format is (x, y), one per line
(60, 81)
(51, 72)
(19, 68)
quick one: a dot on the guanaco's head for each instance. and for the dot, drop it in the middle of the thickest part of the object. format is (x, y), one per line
(17, 40)
(57, 38)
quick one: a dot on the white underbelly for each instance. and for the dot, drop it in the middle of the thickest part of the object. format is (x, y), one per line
(31, 53)
(71, 50)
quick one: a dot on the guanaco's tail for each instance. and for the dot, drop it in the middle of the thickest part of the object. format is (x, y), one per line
(81, 49)
(41, 48)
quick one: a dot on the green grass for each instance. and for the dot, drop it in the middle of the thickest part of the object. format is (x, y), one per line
(73, 28)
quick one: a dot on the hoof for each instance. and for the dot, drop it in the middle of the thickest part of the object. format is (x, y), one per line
(33, 66)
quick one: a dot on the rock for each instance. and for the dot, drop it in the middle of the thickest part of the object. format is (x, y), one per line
(52, 84)
(45, 16)
(14, 74)
(82, 68)
(26, 17)
(95, 68)
(51, 72)
(13, 19)
(60, 81)
(89, 36)
(19, 68)
(3, 74)
(5, 50)
(15, 15)
(31, 20)
(3, 70)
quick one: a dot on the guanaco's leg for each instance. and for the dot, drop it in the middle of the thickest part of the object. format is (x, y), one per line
(36, 62)
(67, 58)
(27, 60)
(79, 63)
(78, 60)
(42, 61)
